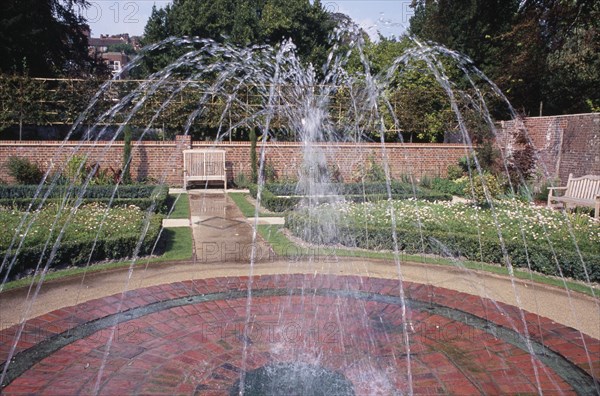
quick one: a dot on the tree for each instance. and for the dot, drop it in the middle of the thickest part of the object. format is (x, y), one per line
(245, 22)
(125, 48)
(540, 52)
(44, 38)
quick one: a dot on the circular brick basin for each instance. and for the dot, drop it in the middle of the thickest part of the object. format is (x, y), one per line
(354, 334)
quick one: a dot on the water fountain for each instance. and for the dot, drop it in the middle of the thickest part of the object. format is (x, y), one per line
(304, 331)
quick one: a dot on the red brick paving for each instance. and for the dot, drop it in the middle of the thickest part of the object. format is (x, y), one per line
(199, 347)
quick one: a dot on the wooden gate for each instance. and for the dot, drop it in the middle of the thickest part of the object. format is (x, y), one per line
(204, 165)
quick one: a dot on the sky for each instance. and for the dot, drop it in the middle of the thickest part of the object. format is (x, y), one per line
(389, 17)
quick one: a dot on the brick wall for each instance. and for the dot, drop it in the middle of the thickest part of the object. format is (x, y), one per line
(157, 160)
(404, 159)
(163, 160)
(563, 144)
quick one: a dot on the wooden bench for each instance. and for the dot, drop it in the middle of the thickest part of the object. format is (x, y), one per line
(204, 166)
(580, 191)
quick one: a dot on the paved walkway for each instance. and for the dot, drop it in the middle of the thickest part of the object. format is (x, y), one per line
(221, 232)
(181, 328)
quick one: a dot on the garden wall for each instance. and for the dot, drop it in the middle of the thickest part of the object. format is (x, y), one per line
(150, 160)
(563, 144)
(404, 159)
(163, 160)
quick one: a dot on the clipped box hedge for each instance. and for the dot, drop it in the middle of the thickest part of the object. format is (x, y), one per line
(77, 253)
(398, 189)
(271, 200)
(142, 196)
(472, 247)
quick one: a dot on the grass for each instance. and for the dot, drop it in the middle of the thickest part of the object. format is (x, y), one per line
(177, 244)
(283, 247)
(247, 208)
(182, 206)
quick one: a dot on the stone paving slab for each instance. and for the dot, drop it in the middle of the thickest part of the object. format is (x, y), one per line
(174, 223)
(199, 348)
(267, 220)
(221, 232)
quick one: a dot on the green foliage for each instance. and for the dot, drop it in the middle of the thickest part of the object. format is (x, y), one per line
(121, 47)
(280, 197)
(24, 171)
(253, 157)
(126, 175)
(44, 38)
(241, 181)
(75, 169)
(28, 101)
(272, 202)
(244, 22)
(425, 182)
(467, 165)
(270, 172)
(447, 186)
(371, 172)
(375, 172)
(118, 239)
(454, 172)
(483, 187)
(460, 231)
(542, 54)
(142, 196)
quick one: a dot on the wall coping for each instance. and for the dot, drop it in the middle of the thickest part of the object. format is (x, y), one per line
(553, 116)
(56, 143)
(339, 144)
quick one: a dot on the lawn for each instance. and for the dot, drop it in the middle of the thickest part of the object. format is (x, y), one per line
(182, 206)
(246, 207)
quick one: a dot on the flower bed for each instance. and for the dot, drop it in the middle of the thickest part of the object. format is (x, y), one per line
(91, 233)
(548, 241)
(142, 196)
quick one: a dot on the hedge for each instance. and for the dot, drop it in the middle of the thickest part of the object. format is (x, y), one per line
(541, 257)
(271, 201)
(142, 196)
(77, 252)
(397, 188)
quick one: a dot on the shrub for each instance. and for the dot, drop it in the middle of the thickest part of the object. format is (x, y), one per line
(273, 202)
(481, 184)
(126, 174)
(241, 181)
(104, 176)
(454, 172)
(24, 171)
(270, 172)
(446, 186)
(76, 170)
(425, 182)
(375, 172)
(371, 172)
(253, 156)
